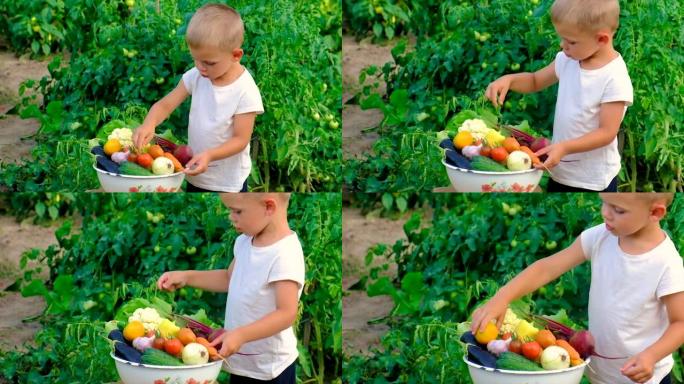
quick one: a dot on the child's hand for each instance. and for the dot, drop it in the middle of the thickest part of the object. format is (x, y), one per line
(198, 164)
(170, 281)
(639, 368)
(142, 135)
(493, 309)
(554, 153)
(497, 90)
(231, 343)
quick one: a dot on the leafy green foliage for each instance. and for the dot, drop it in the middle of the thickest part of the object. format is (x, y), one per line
(471, 45)
(474, 244)
(124, 244)
(124, 59)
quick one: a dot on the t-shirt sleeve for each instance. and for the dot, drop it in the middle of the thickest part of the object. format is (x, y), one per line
(619, 88)
(250, 100)
(673, 278)
(289, 264)
(560, 62)
(590, 240)
(190, 79)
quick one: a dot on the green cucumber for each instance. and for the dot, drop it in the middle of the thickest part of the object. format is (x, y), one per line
(481, 163)
(514, 362)
(133, 169)
(156, 357)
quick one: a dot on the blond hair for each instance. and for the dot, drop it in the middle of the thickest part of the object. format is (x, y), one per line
(664, 197)
(591, 15)
(215, 26)
(283, 197)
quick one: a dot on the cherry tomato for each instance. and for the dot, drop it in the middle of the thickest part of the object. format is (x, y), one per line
(158, 343)
(515, 347)
(531, 350)
(173, 347)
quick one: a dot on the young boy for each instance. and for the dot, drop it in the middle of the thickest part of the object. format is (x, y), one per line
(225, 102)
(593, 95)
(264, 282)
(636, 298)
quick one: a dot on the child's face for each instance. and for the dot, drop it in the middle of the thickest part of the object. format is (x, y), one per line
(249, 215)
(579, 45)
(214, 63)
(626, 213)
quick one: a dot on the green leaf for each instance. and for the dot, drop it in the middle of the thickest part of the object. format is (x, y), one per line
(34, 288)
(53, 211)
(387, 200)
(373, 101)
(40, 209)
(401, 203)
(413, 282)
(382, 286)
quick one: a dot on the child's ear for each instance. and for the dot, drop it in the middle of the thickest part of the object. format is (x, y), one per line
(603, 37)
(658, 211)
(237, 54)
(270, 206)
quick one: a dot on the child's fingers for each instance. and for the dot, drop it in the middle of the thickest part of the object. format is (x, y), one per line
(628, 366)
(502, 95)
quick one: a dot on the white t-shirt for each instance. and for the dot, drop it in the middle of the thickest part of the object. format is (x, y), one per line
(211, 124)
(251, 296)
(626, 314)
(580, 95)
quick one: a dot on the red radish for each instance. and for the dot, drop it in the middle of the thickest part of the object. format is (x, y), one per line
(581, 340)
(167, 145)
(183, 153)
(539, 143)
(525, 139)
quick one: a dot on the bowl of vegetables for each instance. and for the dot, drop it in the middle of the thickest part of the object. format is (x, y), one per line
(139, 373)
(469, 180)
(118, 182)
(539, 351)
(150, 344)
(157, 167)
(484, 375)
(482, 156)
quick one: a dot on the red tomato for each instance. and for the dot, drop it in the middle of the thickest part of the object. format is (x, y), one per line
(515, 347)
(485, 151)
(158, 343)
(145, 160)
(531, 350)
(173, 347)
(499, 154)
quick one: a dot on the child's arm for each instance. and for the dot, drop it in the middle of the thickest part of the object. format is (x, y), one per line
(536, 275)
(610, 117)
(640, 367)
(276, 321)
(526, 82)
(243, 126)
(158, 113)
(216, 280)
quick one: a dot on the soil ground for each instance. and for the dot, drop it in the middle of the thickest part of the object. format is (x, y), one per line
(359, 233)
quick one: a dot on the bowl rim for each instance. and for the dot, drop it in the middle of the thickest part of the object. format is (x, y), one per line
(122, 361)
(470, 363)
(136, 177)
(531, 170)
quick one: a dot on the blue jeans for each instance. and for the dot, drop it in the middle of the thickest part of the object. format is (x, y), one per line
(192, 188)
(667, 380)
(288, 376)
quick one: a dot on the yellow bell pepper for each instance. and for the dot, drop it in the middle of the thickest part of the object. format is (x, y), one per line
(168, 329)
